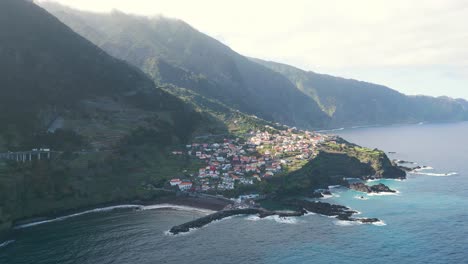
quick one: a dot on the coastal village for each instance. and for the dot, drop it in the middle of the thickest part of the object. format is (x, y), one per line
(234, 162)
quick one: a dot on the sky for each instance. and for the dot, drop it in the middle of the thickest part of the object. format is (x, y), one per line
(413, 46)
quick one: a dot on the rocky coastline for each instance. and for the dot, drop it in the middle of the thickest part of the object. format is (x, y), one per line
(303, 207)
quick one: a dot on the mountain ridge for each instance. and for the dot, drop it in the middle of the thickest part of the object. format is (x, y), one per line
(352, 102)
(214, 70)
(237, 81)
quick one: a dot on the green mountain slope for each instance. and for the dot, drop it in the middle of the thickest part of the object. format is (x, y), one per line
(171, 51)
(109, 127)
(352, 103)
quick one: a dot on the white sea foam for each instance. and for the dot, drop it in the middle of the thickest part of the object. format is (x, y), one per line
(253, 218)
(309, 213)
(386, 179)
(355, 223)
(435, 174)
(372, 180)
(276, 218)
(352, 179)
(424, 168)
(282, 220)
(383, 193)
(328, 196)
(330, 216)
(400, 180)
(379, 223)
(346, 223)
(97, 210)
(6, 243)
(111, 208)
(191, 230)
(176, 207)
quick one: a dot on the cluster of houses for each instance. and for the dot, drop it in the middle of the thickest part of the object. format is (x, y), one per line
(238, 162)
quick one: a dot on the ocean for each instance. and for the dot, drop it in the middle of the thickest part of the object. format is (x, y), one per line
(425, 222)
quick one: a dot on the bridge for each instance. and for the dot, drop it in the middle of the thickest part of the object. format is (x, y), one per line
(23, 156)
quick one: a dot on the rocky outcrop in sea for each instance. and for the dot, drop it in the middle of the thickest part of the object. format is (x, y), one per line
(361, 187)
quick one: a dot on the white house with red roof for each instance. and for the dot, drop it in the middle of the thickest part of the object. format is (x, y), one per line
(175, 182)
(185, 185)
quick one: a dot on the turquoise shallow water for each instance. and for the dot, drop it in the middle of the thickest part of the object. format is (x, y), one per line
(427, 222)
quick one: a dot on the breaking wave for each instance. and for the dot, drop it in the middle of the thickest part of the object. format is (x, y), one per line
(346, 223)
(6, 243)
(116, 207)
(424, 168)
(276, 218)
(175, 207)
(97, 210)
(379, 223)
(383, 193)
(435, 174)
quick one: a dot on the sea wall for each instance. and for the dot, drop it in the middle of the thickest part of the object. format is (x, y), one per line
(303, 207)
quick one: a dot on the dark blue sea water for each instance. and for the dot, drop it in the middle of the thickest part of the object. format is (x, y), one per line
(427, 222)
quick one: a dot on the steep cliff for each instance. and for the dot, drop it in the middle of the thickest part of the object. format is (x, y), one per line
(335, 162)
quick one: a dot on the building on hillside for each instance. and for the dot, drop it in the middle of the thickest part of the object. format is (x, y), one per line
(175, 182)
(185, 186)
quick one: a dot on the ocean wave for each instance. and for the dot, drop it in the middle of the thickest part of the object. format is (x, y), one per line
(284, 220)
(175, 207)
(346, 223)
(191, 230)
(373, 180)
(423, 168)
(253, 218)
(329, 216)
(379, 223)
(111, 208)
(435, 174)
(97, 210)
(383, 193)
(276, 218)
(6, 243)
(309, 213)
(328, 196)
(352, 179)
(386, 179)
(400, 180)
